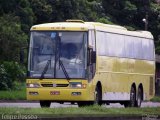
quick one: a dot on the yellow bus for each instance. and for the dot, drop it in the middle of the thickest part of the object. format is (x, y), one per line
(90, 63)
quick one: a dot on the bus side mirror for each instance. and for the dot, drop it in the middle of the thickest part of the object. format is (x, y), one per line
(21, 55)
(93, 57)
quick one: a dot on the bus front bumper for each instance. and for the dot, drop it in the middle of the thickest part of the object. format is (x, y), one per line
(59, 94)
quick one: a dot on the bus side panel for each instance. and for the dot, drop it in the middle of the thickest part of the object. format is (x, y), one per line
(113, 79)
(118, 74)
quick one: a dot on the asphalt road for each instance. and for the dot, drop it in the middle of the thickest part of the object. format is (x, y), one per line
(56, 105)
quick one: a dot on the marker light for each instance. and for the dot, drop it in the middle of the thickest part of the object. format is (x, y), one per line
(33, 85)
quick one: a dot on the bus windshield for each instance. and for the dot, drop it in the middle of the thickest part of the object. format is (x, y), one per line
(56, 54)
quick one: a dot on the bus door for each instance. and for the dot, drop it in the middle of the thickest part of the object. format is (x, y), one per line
(91, 56)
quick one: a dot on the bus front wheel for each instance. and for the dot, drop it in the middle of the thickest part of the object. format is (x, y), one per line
(84, 103)
(98, 95)
(45, 104)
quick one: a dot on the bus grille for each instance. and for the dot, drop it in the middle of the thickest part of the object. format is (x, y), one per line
(54, 85)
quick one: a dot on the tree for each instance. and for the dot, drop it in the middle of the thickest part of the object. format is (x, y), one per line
(12, 38)
(42, 11)
(20, 8)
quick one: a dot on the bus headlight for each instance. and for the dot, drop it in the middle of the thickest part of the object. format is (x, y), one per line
(33, 85)
(77, 85)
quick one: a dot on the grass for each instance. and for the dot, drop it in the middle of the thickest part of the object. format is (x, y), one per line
(18, 94)
(91, 110)
(13, 94)
(156, 99)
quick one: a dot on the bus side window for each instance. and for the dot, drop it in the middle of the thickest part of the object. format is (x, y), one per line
(92, 39)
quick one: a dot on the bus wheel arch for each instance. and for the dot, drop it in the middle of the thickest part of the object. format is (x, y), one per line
(98, 94)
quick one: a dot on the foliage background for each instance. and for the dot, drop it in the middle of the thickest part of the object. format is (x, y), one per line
(17, 16)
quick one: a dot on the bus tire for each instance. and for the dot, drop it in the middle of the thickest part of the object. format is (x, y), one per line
(83, 104)
(139, 98)
(132, 102)
(45, 104)
(98, 95)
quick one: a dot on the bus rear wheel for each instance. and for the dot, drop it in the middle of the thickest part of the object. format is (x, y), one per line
(132, 102)
(139, 98)
(45, 104)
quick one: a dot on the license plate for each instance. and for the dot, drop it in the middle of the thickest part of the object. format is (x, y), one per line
(54, 92)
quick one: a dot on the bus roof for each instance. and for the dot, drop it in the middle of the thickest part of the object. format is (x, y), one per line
(64, 26)
(79, 25)
(120, 30)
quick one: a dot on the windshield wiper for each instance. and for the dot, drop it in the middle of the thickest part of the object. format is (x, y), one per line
(57, 58)
(62, 66)
(64, 70)
(45, 69)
